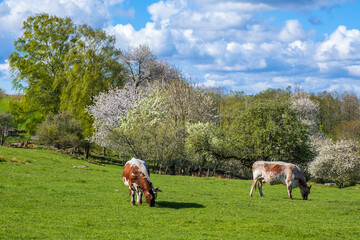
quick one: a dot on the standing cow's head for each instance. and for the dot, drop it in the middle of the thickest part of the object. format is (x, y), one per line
(305, 191)
(151, 195)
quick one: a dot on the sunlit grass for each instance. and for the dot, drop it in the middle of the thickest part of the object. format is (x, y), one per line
(4, 103)
(42, 196)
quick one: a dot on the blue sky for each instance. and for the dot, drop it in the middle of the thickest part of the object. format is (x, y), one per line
(244, 45)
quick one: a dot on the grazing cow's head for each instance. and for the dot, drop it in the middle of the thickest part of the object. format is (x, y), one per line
(305, 191)
(151, 196)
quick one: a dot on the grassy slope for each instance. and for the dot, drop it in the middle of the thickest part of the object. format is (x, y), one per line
(3, 103)
(43, 197)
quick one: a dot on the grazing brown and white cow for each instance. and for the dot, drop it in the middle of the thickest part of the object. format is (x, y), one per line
(137, 177)
(279, 173)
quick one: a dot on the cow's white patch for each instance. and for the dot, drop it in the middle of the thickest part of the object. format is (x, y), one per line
(141, 167)
(135, 187)
(126, 182)
(133, 174)
(273, 178)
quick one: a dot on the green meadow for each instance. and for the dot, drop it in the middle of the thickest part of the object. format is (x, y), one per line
(42, 196)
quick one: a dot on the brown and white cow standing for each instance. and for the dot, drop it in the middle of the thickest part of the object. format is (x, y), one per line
(137, 177)
(279, 173)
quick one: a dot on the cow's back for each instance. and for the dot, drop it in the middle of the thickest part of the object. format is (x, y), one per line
(273, 172)
(136, 171)
(127, 174)
(279, 173)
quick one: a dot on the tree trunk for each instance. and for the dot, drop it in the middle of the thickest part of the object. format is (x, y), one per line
(86, 152)
(189, 171)
(172, 169)
(214, 171)
(104, 151)
(208, 172)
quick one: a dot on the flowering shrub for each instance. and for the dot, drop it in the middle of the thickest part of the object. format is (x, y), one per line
(338, 162)
(106, 110)
(308, 110)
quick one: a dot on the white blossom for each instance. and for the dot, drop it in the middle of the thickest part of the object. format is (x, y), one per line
(308, 110)
(106, 110)
(339, 161)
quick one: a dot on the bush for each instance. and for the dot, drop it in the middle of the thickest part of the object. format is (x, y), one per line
(6, 126)
(61, 131)
(338, 162)
(199, 144)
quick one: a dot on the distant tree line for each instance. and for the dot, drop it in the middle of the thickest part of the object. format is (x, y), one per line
(80, 91)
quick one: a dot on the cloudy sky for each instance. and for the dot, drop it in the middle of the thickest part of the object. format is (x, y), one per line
(245, 45)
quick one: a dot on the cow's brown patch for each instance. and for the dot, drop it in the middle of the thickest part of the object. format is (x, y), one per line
(276, 169)
(279, 173)
(273, 168)
(132, 174)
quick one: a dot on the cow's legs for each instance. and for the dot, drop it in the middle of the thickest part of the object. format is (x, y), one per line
(260, 187)
(139, 197)
(289, 189)
(132, 196)
(253, 185)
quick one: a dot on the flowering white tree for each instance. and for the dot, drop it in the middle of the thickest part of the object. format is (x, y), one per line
(145, 130)
(308, 110)
(107, 109)
(339, 162)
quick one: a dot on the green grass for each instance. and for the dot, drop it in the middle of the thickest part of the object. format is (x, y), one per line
(42, 196)
(4, 100)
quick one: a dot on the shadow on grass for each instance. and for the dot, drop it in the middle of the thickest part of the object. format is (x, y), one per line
(177, 205)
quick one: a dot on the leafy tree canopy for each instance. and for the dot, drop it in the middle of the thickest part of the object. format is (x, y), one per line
(268, 130)
(61, 66)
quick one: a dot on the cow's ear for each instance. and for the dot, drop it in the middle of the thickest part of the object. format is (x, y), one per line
(157, 190)
(309, 187)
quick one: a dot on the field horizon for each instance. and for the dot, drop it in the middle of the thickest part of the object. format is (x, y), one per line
(43, 196)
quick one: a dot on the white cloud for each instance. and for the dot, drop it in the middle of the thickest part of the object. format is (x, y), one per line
(231, 6)
(232, 47)
(5, 81)
(299, 5)
(217, 81)
(354, 70)
(280, 79)
(4, 68)
(342, 44)
(163, 11)
(13, 13)
(158, 39)
(226, 43)
(292, 31)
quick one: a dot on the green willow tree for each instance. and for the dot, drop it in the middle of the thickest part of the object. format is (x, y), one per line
(92, 66)
(60, 66)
